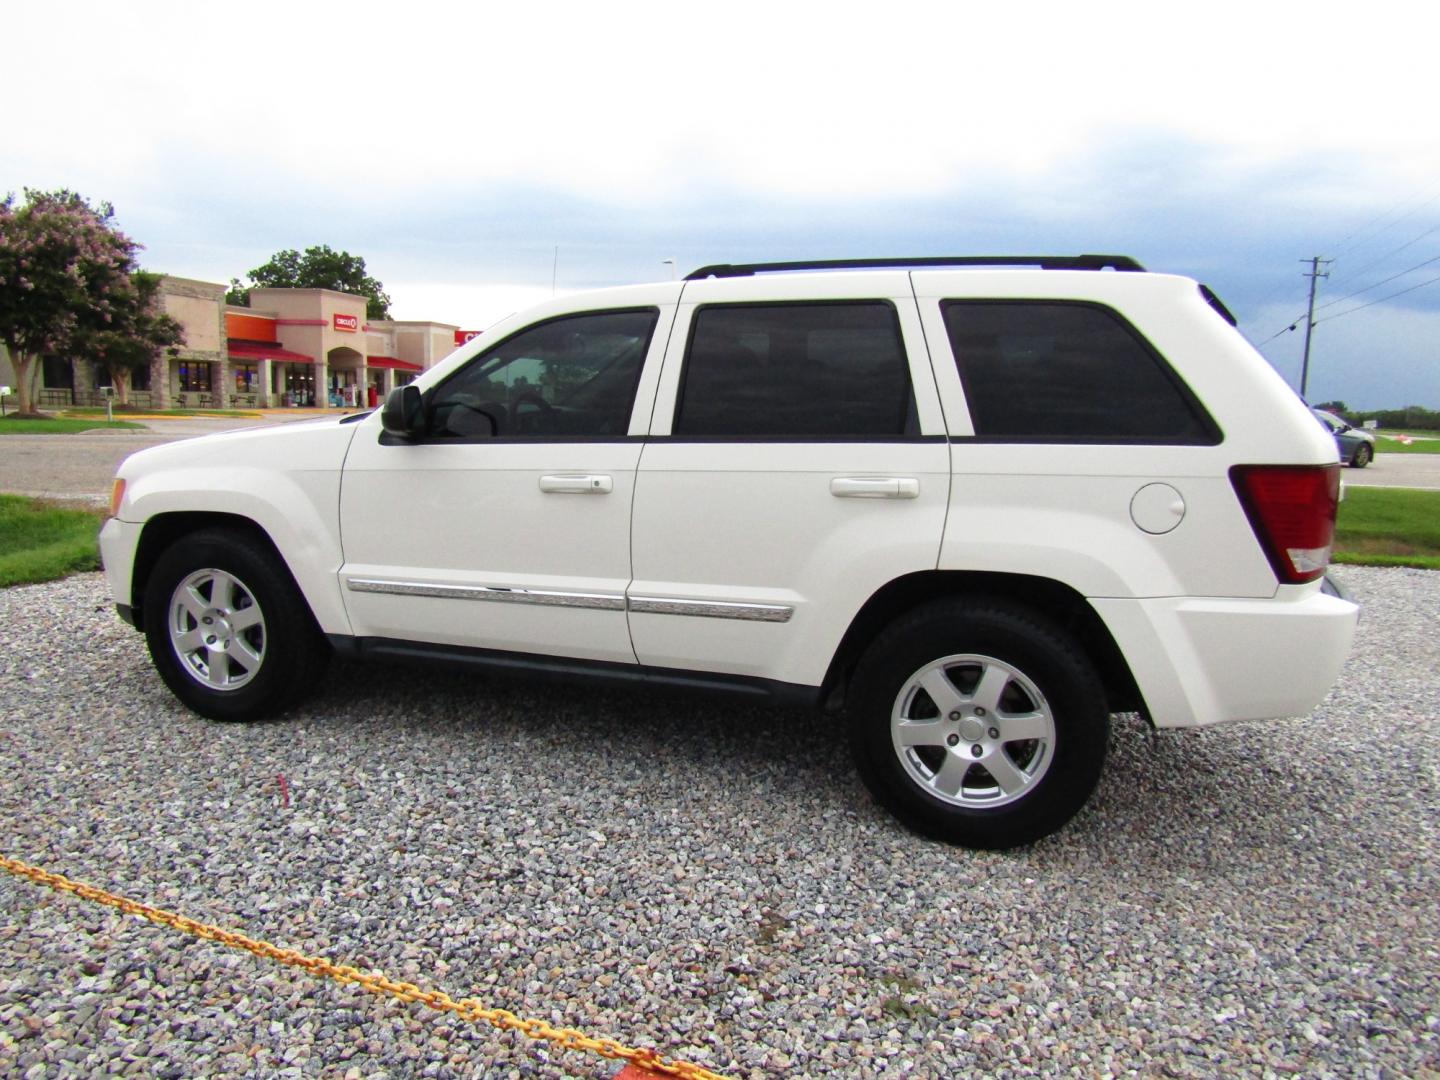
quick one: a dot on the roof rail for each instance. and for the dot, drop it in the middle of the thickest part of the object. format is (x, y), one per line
(1044, 262)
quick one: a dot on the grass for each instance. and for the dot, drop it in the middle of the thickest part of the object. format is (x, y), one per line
(1419, 446)
(41, 541)
(1389, 527)
(11, 426)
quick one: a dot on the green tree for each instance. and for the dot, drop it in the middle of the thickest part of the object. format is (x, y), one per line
(64, 268)
(134, 335)
(318, 268)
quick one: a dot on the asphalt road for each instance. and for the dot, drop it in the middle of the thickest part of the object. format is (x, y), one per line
(82, 466)
(1398, 470)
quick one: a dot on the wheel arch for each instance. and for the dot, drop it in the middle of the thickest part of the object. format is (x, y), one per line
(163, 530)
(1054, 599)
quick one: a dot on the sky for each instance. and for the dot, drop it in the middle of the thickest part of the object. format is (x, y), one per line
(482, 157)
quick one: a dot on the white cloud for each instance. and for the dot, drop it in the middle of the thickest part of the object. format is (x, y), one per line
(643, 101)
(450, 144)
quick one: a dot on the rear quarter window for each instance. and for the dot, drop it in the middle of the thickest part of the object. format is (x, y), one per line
(1054, 371)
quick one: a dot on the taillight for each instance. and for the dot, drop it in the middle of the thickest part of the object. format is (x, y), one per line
(1292, 510)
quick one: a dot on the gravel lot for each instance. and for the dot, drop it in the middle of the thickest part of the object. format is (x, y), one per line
(1254, 900)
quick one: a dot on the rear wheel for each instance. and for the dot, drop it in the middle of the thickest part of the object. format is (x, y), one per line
(228, 630)
(978, 722)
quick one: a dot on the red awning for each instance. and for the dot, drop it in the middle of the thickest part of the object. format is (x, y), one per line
(256, 350)
(391, 362)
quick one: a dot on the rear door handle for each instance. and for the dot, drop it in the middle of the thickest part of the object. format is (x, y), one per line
(875, 487)
(576, 484)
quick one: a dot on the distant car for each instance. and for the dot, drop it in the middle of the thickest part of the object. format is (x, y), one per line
(1357, 447)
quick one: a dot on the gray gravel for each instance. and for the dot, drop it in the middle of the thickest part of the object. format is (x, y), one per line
(1253, 900)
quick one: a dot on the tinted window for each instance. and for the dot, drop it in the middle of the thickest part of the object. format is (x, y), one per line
(1043, 370)
(796, 370)
(574, 376)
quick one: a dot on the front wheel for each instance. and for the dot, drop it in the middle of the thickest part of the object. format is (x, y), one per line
(978, 722)
(1363, 454)
(228, 631)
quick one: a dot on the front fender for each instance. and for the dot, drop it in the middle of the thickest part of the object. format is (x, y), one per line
(298, 511)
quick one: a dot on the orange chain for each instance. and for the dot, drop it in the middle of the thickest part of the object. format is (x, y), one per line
(468, 1008)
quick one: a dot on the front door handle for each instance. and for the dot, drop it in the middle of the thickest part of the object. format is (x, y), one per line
(875, 487)
(576, 484)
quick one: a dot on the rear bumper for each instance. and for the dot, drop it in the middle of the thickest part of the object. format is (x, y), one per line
(1201, 661)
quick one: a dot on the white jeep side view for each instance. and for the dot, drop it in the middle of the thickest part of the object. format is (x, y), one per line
(973, 505)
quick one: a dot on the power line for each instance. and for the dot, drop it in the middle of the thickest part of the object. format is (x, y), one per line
(1382, 281)
(1283, 330)
(1388, 254)
(1345, 243)
(1372, 303)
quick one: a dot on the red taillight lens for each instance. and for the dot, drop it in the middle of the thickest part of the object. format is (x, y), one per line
(1292, 510)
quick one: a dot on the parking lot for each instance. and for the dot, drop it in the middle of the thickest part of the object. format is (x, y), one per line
(1257, 899)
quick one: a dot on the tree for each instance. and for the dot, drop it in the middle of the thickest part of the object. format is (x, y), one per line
(318, 268)
(136, 332)
(64, 268)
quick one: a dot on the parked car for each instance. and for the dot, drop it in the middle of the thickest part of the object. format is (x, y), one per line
(1356, 445)
(972, 509)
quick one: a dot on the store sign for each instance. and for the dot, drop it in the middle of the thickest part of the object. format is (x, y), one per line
(464, 337)
(349, 323)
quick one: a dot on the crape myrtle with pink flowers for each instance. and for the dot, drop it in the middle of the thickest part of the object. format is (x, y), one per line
(70, 288)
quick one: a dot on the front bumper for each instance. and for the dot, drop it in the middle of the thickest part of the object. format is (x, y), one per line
(118, 543)
(1201, 661)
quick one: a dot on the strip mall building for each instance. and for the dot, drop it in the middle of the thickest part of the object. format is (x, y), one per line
(290, 347)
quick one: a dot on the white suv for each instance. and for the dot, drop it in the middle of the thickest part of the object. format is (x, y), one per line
(977, 507)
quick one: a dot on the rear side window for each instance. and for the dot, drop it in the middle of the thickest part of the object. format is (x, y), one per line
(804, 370)
(1052, 371)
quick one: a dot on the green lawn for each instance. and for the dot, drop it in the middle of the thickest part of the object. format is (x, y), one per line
(41, 541)
(1419, 446)
(11, 426)
(1389, 527)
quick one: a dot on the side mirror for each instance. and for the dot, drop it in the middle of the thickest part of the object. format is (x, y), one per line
(404, 413)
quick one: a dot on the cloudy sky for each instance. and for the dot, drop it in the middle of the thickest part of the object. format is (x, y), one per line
(457, 147)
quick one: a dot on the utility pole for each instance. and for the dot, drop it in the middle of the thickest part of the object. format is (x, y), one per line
(1313, 275)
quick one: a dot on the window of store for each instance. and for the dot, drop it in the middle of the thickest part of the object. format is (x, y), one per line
(295, 383)
(247, 378)
(195, 376)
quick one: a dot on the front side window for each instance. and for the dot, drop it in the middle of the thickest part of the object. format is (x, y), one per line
(1057, 371)
(566, 378)
(796, 370)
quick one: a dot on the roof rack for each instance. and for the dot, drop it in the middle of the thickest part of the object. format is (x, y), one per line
(1044, 262)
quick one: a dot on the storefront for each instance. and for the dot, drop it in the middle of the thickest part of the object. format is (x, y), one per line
(262, 374)
(384, 374)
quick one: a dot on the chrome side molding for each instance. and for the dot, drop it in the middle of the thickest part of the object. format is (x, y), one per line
(647, 605)
(713, 609)
(498, 593)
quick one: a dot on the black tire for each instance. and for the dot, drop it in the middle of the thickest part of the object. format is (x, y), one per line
(1027, 655)
(1363, 456)
(274, 657)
